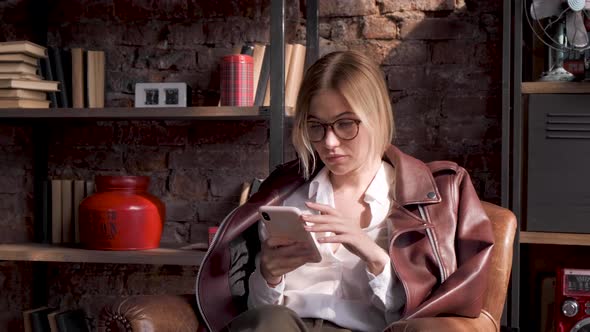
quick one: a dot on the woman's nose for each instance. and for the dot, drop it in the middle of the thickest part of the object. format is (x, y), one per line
(331, 139)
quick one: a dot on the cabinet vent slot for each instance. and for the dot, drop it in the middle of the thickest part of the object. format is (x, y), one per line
(567, 126)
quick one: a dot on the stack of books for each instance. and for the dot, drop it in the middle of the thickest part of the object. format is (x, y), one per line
(20, 83)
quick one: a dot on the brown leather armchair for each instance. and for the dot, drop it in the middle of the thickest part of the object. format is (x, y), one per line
(165, 313)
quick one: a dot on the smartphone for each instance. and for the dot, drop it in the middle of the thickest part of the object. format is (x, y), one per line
(283, 221)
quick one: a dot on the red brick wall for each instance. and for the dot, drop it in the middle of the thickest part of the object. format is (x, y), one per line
(441, 58)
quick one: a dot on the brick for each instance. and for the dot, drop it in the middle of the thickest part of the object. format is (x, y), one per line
(175, 232)
(145, 159)
(186, 35)
(207, 157)
(84, 134)
(407, 53)
(325, 30)
(378, 27)
(147, 34)
(437, 29)
(345, 29)
(171, 60)
(388, 6)
(180, 210)
(488, 54)
(213, 212)
(10, 184)
(347, 8)
(96, 159)
(247, 132)
(452, 52)
(189, 184)
(124, 82)
(155, 133)
(7, 135)
(407, 77)
(416, 118)
(228, 185)
(199, 233)
(376, 50)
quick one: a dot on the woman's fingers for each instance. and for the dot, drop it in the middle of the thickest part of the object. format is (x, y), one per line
(324, 209)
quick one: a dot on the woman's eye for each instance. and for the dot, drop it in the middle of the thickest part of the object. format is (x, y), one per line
(345, 124)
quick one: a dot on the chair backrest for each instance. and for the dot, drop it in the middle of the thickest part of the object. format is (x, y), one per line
(504, 226)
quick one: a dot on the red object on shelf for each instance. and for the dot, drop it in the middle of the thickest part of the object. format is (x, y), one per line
(121, 215)
(237, 80)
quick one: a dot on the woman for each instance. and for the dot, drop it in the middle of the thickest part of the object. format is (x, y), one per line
(399, 238)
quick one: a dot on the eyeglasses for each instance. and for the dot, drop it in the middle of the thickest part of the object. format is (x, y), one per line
(345, 129)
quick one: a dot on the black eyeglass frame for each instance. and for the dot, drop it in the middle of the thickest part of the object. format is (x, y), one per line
(331, 126)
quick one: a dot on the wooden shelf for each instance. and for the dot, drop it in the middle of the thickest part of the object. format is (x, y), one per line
(555, 87)
(36, 252)
(555, 238)
(120, 113)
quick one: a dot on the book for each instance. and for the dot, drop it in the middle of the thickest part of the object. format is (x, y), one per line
(23, 46)
(18, 57)
(263, 78)
(35, 320)
(18, 67)
(95, 78)
(47, 73)
(56, 233)
(77, 77)
(288, 52)
(21, 93)
(77, 195)
(258, 58)
(28, 84)
(90, 188)
(67, 226)
(57, 66)
(20, 76)
(70, 321)
(23, 103)
(295, 76)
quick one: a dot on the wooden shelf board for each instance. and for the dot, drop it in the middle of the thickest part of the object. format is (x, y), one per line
(555, 238)
(555, 87)
(120, 113)
(37, 252)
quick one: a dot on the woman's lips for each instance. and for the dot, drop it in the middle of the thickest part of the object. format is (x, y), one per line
(335, 158)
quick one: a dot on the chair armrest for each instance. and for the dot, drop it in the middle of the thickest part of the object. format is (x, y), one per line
(149, 313)
(483, 323)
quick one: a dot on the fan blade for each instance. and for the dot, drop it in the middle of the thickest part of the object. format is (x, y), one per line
(545, 8)
(575, 29)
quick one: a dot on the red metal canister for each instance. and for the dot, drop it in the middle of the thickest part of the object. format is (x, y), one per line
(237, 77)
(121, 215)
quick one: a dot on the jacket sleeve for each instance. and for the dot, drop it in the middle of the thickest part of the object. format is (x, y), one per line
(462, 291)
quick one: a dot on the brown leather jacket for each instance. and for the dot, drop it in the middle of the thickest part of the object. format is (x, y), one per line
(439, 249)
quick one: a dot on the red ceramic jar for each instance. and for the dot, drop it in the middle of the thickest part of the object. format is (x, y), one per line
(121, 215)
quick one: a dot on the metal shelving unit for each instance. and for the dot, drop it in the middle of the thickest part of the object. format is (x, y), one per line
(38, 118)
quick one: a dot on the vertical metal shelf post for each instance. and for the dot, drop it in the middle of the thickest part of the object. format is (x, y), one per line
(506, 135)
(277, 83)
(312, 33)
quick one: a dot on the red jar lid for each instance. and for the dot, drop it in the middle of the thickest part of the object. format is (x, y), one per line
(121, 182)
(242, 58)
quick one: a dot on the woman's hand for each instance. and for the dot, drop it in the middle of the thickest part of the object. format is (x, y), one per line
(347, 232)
(279, 256)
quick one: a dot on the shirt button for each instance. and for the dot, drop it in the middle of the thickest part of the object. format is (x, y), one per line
(431, 195)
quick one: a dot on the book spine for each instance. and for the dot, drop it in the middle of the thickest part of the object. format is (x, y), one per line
(47, 74)
(55, 55)
(77, 78)
(263, 78)
(66, 210)
(56, 235)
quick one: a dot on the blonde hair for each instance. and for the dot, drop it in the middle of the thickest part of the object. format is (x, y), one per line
(360, 81)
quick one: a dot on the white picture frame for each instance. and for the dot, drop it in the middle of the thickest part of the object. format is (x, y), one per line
(166, 94)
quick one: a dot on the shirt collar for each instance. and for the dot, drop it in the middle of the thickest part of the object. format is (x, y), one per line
(380, 190)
